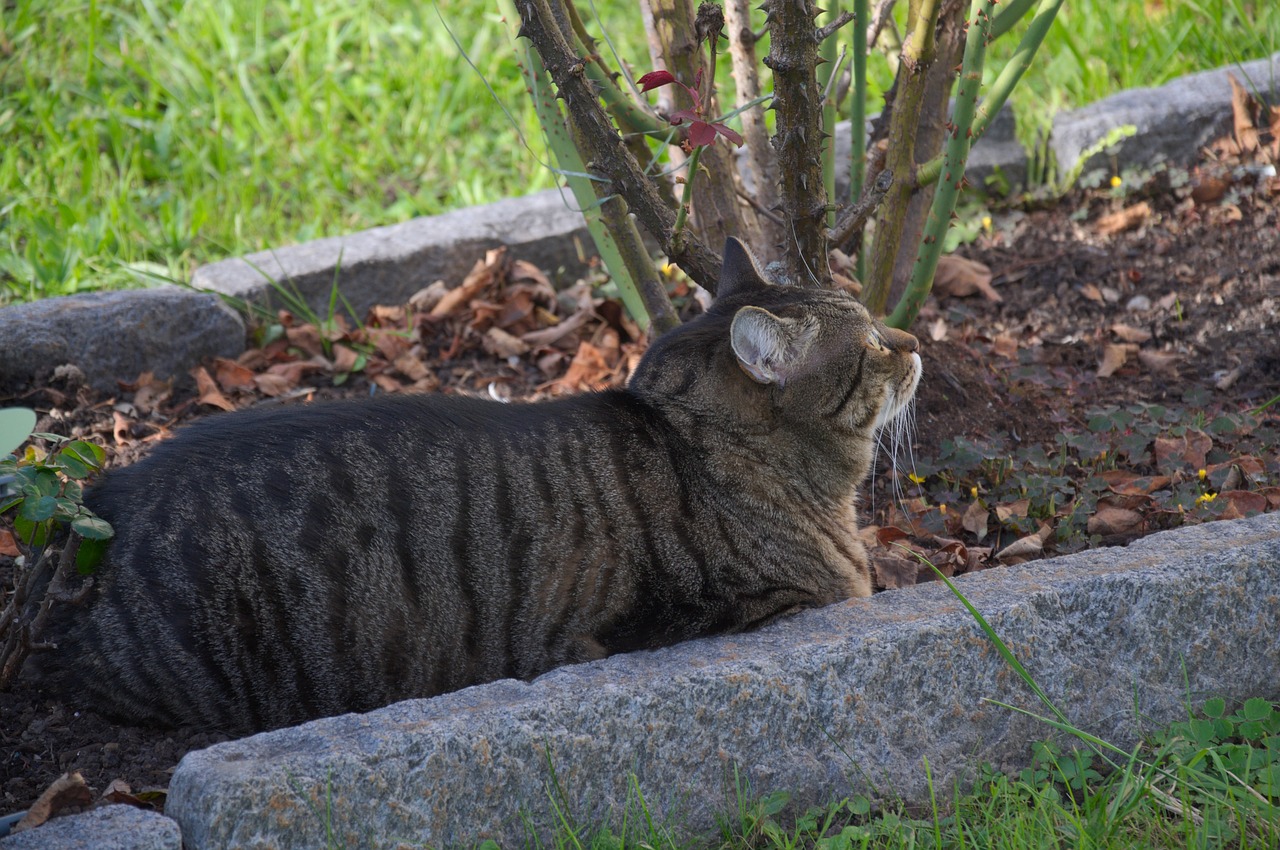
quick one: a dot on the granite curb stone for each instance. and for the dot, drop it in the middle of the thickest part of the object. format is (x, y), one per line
(820, 704)
(386, 265)
(113, 336)
(1173, 121)
(115, 827)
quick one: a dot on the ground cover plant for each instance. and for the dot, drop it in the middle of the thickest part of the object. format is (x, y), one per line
(153, 137)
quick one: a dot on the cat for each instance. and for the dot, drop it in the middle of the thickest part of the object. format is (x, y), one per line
(276, 565)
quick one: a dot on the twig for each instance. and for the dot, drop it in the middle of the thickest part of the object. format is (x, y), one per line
(746, 78)
(883, 11)
(855, 217)
(826, 32)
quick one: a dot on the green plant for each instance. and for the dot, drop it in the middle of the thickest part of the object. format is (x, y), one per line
(45, 495)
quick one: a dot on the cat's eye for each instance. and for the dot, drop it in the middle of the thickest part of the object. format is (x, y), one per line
(874, 340)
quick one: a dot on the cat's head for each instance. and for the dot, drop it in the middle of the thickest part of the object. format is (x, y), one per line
(766, 356)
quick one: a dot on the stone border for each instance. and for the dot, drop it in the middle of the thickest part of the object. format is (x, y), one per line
(822, 704)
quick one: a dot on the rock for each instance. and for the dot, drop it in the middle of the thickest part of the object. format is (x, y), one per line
(1173, 121)
(387, 265)
(113, 336)
(998, 152)
(105, 828)
(827, 703)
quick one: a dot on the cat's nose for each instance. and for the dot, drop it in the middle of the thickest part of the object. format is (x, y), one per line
(901, 340)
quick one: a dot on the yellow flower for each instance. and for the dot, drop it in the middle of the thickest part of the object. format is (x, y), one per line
(942, 508)
(1205, 497)
(973, 491)
(986, 222)
(915, 479)
(1202, 474)
(1116, 181)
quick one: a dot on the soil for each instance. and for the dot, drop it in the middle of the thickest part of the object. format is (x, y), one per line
(1119, 346)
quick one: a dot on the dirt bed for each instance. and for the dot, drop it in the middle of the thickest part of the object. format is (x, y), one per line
(1120, 386)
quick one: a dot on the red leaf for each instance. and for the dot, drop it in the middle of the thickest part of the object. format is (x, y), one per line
(682, 115)
(701, 133)
(655, 79)
(729, 134)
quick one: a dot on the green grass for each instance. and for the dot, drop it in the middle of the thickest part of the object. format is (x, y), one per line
(157, 135)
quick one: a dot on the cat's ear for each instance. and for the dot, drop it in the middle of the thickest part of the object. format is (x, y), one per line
(740, 270)
(769, 348)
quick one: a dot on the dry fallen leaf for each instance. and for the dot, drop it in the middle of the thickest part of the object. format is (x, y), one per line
(1006, 345)
(8, 545)
(1113, 357)
(1111, 520)
(1126, 333)
(1162, 362)
(1092, 292)
(1025, 548)
(938, 329)
(270, 384)
(1188, 450)
(232, 375)
(893, 571)
(481, 275)
(1125, 219)
(502, 344)
(975, 519)
(68, 791)
(959, 277)
(1244, 110)
(208, 389)
(1242, 503)
(1125, 483)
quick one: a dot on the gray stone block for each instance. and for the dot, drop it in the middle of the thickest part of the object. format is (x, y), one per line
(1173, 121)
(114, 336)
(820, 704)
(107, 828)
(386, 265)
(998, 151)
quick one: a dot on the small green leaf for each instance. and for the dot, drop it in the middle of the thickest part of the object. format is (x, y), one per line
(31, 533)
(71, 465)
(15, 426)
(1257, 709)
(1215, 708)
(90, 555)
(8, 504)
(39, 508)
(87, 453)
(91, 527)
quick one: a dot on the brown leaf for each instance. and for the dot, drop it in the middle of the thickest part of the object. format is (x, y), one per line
(8, 545)
(411, 367)
(1273, 497)
(1025, 548)
(481, 275)
(1242, 503)
(305, 338)
(959, 277)
(1125, 333)
(232, 375)
(1092, 292)
(271, 384)
(345, 358)
(499, 343)
(588, 371)
(380, 315)
(120, 792)
(1243, 110)
(68, 791)
(1111, 520)
(1188, 450)
(1113, 357)
(1006, 345)
(975, 519)
(150, 392)
(1161, 362)
(1208, 189)
(893, 571)
(120, 428)
(938, 329)
(1127, 483)
(887, 535)
(208, 389)
(425, 299)
(1018, 509)
(1125, 219)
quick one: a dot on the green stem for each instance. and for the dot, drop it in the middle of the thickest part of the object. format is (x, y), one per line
(959, 138)
(826, 70)
(1008, 79)
(858, 118)
(686, 199)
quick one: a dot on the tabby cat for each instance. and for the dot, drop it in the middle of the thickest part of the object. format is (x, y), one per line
(281, 564)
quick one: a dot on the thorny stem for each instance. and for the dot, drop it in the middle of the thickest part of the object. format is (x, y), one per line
(605, 153)
(686, 198)
(855, 217)
(22, 637)
(760, 155)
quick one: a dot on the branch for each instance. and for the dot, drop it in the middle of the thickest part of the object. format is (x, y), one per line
(605, 153)
(883, 11)
(793, 58)
(826, 32)
(853, 218)
(746, 79)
